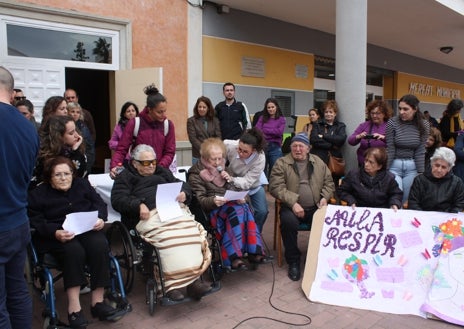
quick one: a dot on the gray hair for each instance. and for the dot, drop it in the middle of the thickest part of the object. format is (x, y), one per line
(135, 153)
(444, 153)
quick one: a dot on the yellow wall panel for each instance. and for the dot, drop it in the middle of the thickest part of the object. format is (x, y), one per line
(222, 61)
(428, 90)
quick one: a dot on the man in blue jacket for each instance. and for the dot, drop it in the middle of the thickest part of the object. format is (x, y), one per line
(19, 144)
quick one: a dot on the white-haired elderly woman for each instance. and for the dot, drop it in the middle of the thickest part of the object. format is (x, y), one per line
(438, 189)
(134, 196)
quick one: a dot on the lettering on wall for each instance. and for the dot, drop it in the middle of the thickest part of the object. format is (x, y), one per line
(425, 89)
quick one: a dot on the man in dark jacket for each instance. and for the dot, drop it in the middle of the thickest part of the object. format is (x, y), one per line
(232, 115)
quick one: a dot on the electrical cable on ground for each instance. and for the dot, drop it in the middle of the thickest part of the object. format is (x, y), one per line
(275, 307)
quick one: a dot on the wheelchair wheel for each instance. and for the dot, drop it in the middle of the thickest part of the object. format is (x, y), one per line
(121, 247)
(150, 294)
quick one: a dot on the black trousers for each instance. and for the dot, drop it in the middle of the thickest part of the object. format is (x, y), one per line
(91, 249)
(289, 224)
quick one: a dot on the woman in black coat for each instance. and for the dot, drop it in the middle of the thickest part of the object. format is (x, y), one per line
(372, 185)
(48, 205)
(438, 189)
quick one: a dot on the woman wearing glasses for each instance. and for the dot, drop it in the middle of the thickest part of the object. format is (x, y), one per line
(233, 220)
(371, 133)
(63, 193)
(134, 197)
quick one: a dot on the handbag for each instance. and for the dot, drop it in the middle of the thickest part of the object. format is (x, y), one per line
(336, 165)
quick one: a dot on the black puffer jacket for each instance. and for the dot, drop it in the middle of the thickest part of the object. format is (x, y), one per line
(431, 194)
(130, 189)
(380, 191)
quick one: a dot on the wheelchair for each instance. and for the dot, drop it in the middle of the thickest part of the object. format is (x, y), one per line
(136, 255)
(43, 271)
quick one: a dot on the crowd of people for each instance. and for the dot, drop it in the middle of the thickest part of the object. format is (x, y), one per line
(406, 160)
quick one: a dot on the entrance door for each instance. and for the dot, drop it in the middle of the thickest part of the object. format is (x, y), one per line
(38, 81)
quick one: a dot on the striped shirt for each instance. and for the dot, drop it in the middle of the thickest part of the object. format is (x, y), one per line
(404, 142)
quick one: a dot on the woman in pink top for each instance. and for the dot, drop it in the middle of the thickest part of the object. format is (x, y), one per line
(128, 111)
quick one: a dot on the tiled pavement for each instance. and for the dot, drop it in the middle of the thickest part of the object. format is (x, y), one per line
(245, 302)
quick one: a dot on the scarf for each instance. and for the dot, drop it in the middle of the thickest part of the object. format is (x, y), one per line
(212, 174)
(456, 118)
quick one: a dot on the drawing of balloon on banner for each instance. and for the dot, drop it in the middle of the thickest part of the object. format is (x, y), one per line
(356, 270)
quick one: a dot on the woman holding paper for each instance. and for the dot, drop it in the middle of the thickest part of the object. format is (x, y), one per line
(181, 241)
(234, 222)
(246, 165)
(62, 194)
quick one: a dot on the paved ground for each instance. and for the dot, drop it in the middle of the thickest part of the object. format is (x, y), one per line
(264, 298)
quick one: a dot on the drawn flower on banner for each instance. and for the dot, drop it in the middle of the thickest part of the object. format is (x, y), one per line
(356, 270)
(444, 235)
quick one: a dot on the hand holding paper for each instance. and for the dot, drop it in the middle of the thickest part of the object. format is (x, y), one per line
(80, 222)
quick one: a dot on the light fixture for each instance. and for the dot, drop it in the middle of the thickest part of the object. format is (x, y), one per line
(446, 50)
(223, 9)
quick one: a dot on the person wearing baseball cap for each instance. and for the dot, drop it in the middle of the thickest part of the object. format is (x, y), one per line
(303, 183)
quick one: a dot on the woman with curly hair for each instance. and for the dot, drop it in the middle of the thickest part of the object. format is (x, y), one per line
(55, 105)
(371, 133)
(59, 136)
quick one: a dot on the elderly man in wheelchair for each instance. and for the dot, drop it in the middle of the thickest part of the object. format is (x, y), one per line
(60, 195)
(181, 242)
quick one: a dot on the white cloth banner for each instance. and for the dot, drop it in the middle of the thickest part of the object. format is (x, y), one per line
(386, 261)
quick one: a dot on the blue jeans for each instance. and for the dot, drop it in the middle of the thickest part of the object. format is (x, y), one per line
(15, 301)
(405, 171)
(273, 152)
(260, 209)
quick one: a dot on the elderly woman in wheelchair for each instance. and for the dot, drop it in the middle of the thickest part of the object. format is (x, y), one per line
(61, 194)
(233, 221)
(181, 242)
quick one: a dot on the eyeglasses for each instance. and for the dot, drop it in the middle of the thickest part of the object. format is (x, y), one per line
(20, 98)
(240, 150)
(376, 113)
(146, 163)
(62, 174)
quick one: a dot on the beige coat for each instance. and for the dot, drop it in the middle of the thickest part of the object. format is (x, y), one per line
(284, 181)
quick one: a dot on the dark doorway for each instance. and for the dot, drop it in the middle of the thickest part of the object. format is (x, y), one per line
(92, 87)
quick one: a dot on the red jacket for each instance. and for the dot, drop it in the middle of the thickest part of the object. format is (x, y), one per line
(150, 133)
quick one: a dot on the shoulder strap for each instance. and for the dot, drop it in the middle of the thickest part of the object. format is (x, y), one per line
(136, 127)
(166, 127)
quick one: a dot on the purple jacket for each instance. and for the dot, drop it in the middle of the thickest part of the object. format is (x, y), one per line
(364, 143)
(273, 130)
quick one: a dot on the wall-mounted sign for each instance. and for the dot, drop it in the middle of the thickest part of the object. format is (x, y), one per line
(301, 71)
(424, 89)
(253, 67)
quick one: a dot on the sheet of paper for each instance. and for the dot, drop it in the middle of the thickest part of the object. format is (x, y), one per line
(80, 222)
(166, 204)
(235, 195)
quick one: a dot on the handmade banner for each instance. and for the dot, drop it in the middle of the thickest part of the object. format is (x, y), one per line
(404, 262)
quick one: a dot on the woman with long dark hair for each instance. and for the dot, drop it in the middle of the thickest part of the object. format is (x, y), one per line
(272, 124)
(128, 111)
(406, 136)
